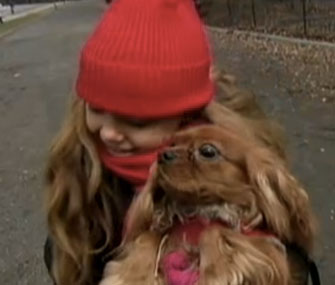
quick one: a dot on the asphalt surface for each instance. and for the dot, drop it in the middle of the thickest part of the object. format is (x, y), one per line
(38, 64)
(37, 67)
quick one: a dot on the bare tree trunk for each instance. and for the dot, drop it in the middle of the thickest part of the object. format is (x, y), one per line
(304, 15)
(253, 11)
(12, 11)
(229, 11)
(292, 4)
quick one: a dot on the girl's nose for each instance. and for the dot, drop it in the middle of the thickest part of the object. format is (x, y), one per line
(111, 134)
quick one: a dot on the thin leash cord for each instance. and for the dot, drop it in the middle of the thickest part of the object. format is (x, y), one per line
(313, 275)
(159, 253)
(313, 270)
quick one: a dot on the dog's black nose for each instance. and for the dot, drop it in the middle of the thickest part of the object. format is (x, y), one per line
(167, 156)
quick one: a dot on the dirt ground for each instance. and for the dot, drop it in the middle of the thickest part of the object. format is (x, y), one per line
(277, 17)
(37, 68)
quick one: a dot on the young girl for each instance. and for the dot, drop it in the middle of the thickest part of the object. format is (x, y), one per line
(144, 74)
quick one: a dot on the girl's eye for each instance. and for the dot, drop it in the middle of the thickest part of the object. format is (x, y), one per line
(209, 151)
(133, 122)
(139, 124)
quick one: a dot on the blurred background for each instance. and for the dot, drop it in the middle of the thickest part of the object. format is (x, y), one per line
(281, 50)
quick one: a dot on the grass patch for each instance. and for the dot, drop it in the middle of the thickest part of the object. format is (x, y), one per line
(8, 27)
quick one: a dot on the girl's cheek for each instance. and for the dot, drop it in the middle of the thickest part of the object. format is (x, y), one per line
(160, 138)
(93, 123)
(145, 140)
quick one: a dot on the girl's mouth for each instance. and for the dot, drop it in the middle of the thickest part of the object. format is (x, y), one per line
(120, 152)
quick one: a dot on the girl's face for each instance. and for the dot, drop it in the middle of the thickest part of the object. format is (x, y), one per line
(124, 136)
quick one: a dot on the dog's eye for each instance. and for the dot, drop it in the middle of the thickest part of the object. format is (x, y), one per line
(209, 151)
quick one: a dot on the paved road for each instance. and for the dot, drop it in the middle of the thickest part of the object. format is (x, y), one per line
(37, 64)
(37, 67)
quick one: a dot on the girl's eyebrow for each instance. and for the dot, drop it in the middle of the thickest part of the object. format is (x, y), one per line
(133, 119)
(127, 118)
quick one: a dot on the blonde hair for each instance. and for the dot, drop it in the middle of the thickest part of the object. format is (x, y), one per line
(78, 203)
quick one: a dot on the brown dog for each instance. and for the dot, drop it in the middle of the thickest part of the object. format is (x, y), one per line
(247, 204)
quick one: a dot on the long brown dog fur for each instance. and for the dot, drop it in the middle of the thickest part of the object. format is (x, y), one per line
(244, 177)
(238, 107)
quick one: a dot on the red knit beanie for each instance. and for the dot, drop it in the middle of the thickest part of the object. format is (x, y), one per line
(147, 59)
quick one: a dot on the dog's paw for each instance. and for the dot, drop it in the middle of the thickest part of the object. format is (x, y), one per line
(114, 279)
(136, 264)
(220, 262)
(231, 258)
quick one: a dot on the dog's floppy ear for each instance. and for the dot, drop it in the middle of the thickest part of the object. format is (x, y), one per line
(140, 213)
(220, 115)
(230, 120)
(250, 126)
(284, 202)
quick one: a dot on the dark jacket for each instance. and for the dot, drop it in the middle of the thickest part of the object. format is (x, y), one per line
(102, 258)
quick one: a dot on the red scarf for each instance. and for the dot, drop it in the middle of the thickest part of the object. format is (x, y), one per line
(134, 169)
